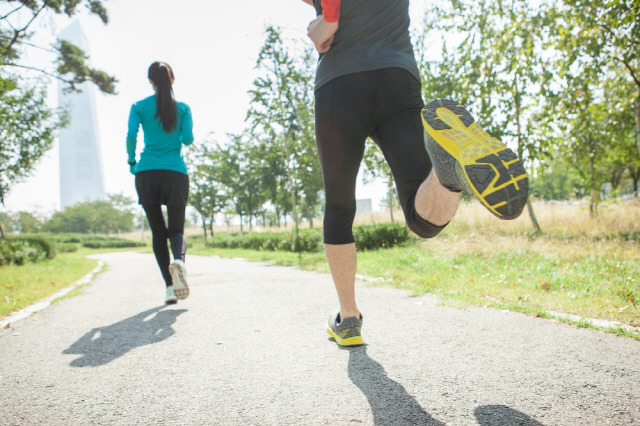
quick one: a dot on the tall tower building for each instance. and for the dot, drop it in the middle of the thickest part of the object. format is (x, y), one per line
(80, 159)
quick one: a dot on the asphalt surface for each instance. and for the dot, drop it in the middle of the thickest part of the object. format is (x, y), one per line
(248, 347)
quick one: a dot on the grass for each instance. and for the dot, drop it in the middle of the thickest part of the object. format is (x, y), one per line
(589, 267)
(584, 266)
(21, 286)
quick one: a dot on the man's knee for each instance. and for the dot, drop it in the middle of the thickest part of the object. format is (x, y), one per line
(338, 223)
(423, 228)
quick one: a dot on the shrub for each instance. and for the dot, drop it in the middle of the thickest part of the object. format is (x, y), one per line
(19, 251)
(67, 247)
(110, 242)
(381, 235)
(368, 237)
(45, 244)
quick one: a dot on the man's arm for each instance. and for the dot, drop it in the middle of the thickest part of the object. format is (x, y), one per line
(322, 29)
(309, 2)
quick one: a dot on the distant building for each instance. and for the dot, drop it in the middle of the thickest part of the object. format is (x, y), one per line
(363, 206)
(80, 160)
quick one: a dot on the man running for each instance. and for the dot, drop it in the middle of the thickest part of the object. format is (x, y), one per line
(368, 85)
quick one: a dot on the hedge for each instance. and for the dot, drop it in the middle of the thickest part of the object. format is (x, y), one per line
(35, 247)
(18, 251)
(368, 237)
(70, 242)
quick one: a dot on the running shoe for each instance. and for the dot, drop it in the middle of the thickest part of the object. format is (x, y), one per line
(170, 297)
(179, 277)
(465, 157)
(345, 332)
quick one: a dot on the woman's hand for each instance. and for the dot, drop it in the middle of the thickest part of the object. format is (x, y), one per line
(321, 33)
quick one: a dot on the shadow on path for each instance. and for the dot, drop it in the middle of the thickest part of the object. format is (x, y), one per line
(104, 344)
(492, 415)
(390, 403)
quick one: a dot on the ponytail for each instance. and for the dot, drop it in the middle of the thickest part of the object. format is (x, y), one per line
(161, 75)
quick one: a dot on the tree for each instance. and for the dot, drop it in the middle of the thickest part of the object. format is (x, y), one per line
(28, 222)
(556, 181)
(90, 217)
(122, 202)
(27, 130)
(27, 124)
(237, 167)
(598, 70)
(377, 167)
(604, 35)
(205, 193)
(500, 69)
(70, 60)
(280, 116)
(591, 132)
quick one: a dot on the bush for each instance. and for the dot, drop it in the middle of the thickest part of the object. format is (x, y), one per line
(111, 242)
(67, 247)
(45, 244)
(19, 251)
(382, 235)
(70, 242)
(368, 237)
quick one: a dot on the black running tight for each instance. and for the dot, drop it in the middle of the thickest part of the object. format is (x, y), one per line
(161, 233)
(384, 105)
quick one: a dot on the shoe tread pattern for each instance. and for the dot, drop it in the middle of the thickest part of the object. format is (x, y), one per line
(484, 166)
(501, 182)
(180, 287)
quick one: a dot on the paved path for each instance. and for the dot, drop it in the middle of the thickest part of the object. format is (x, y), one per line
(249, 348)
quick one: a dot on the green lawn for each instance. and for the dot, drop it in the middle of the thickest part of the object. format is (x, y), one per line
(599, 280)
(21, 286)
(581, 265)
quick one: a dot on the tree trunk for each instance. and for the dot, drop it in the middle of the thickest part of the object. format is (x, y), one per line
(616, 179)
(308, 212)
(593, 205)
(635, 177)
(390, 198)
(532, 216)
(204, 228)
(638, 118)
(1, 231)
(293, 194)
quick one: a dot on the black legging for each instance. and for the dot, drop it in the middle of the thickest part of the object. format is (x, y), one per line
(160, 233)
(385, 105)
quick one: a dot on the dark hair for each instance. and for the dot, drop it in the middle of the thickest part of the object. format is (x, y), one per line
(161, 74)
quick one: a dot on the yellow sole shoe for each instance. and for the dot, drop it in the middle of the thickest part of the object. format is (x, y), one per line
(345, 332)
(465, 157)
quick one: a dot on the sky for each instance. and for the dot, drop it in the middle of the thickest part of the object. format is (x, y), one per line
(212, 46)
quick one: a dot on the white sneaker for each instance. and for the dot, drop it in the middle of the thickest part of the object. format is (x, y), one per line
(170, 297)
(179, 276)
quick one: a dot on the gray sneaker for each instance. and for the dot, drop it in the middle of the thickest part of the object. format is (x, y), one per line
(346, 332)
(465, 157)
(170, 297)
(179, 277)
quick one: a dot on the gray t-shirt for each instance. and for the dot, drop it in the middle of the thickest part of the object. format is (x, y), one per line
(372, 34)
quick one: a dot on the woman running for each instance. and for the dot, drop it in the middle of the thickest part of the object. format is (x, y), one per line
(161, 173)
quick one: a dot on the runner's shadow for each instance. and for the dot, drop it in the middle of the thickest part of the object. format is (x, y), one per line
(390, 403)
(500, 415)
(105, 344)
